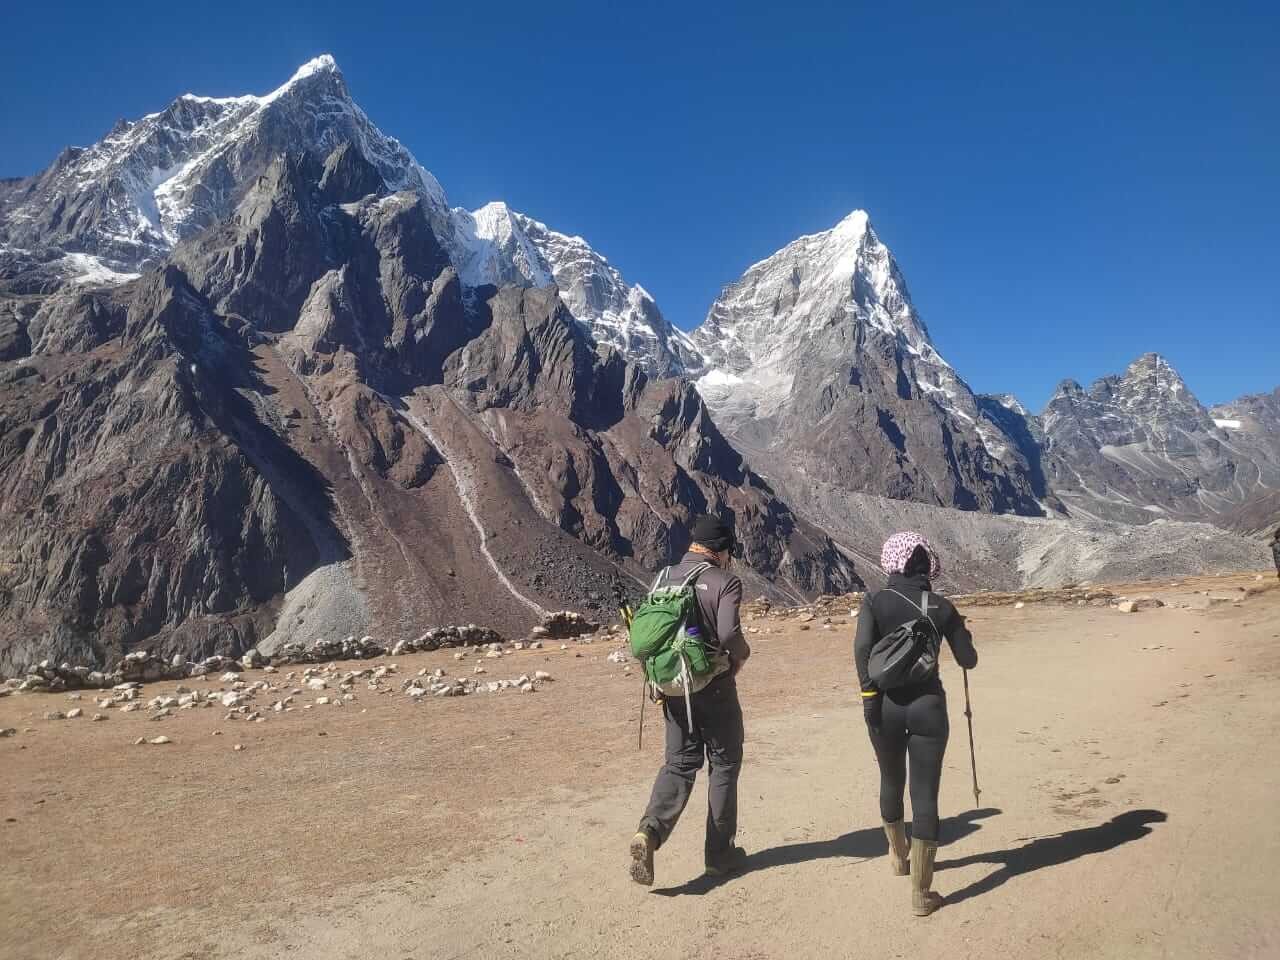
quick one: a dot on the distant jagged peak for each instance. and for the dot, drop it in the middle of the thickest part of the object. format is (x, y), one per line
(492, 247)
(496, 244)
(1157, 373)
(1149, 384)
(1009, 402)
(797, 292)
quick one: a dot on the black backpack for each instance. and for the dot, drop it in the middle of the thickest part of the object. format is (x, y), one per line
(908, 654)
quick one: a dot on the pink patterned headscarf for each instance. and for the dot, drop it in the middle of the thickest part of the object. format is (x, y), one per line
(899, 548)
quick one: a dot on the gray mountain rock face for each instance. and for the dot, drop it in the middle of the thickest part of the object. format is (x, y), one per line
(1139, 446)
(503, 246)
(137, 497)
(817, 366)
(1007, 414)
(305, 410)
(1256, 416)
(1252, 427)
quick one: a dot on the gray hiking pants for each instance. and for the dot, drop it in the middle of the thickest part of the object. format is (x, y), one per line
(716, 733)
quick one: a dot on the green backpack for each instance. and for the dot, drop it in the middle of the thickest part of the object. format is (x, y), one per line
(666, 636)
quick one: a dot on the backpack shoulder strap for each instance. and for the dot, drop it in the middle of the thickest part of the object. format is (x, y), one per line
(657, 582)
(922, 607)
(697, 571)
(908, 599)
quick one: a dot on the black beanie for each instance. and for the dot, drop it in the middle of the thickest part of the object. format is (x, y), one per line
(712, 533)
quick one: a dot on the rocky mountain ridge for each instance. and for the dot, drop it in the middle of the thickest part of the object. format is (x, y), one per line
(1139, 445)
(503, 246)
(817, 361)
(304, 421)
(256, 376)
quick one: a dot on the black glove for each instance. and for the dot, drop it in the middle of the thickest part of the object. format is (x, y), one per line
(871, 709)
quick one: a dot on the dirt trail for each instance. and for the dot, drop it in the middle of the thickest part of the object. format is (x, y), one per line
(1128, 766)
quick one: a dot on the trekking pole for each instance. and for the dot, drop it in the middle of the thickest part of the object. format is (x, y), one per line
(624, 611)
(644, 695)
(973, 762)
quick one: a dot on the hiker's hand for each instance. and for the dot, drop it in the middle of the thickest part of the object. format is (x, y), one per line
(871, 710)
(734, 666)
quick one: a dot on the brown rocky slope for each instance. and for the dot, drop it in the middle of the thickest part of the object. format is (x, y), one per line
(305, 425)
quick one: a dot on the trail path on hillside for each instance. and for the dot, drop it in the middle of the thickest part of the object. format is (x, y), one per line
(1130, 766)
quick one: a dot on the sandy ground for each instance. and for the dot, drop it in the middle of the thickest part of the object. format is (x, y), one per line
(1127, 811)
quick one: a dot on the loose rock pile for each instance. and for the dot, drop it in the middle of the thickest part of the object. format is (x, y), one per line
(445, 637)
(828, 610)
(1127, 605)
(138, 667)
(142, 666)
(825, 609)
(1089, 596)
(319, 686)
(438, 684)
(322, 650)
(564, 625)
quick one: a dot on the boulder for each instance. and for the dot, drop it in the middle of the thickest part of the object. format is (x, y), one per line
(565, 625)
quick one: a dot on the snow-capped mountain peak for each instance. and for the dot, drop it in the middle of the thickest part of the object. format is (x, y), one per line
(493, 247)
(498, 245)
(120, 205)
(820, 341)
(796, 292)
(323, 64)
(126, 200)
(316, 66)
(1009, 402)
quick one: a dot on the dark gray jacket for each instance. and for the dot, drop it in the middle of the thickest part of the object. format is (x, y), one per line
(719, 599)
(1275, 552)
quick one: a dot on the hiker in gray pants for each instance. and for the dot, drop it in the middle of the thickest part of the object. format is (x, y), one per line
(716, 731)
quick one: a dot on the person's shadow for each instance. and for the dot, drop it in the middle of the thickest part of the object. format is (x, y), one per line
(860, 844)
(1052, 851)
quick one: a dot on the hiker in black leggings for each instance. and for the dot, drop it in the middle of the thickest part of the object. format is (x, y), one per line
(908, 725)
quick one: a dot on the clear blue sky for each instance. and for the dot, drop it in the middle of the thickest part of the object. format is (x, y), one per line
(1064, 189)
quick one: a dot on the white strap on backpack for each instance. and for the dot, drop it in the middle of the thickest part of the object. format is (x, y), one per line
(665, 574)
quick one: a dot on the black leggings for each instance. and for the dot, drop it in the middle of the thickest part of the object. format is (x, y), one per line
(914, 730)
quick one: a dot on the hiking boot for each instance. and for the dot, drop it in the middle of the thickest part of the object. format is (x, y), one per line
(923, 900)
(642, 845)
(731, 861)
(899, 851)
